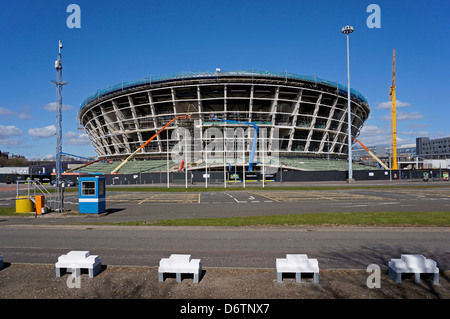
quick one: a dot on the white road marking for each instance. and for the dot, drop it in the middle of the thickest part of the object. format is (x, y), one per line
(236, 200)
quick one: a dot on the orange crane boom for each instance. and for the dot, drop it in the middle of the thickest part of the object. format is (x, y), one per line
(373, 155)
(148, 141)
(84, 165)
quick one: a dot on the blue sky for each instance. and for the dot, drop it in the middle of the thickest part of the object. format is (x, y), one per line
(129, 40)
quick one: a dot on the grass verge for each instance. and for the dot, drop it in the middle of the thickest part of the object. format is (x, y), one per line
(441, 219)
(11, 211)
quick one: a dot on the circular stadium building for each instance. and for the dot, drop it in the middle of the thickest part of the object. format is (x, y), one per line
(305, 117)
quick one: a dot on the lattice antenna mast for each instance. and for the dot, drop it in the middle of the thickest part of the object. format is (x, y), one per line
(59, 84)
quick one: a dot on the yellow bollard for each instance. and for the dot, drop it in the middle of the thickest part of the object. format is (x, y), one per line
(24, 205)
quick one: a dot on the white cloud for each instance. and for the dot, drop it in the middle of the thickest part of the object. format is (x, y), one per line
(6, 132)
(11, 130)
(70, 134)
(414, 133)
(417, 125)
(372, 130)
(25, 116)
(409, 116)
(49, 157)
(9, 141)
(77, 138)
(43, 132)
(374, 135)
(25, 113)
(440, 134)
(404, 116)
(5, 111)
(388, 105)
(53, 105)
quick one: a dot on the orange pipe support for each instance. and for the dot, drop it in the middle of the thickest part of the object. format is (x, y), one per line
(181, 166)
(372, 154)
(148, 141)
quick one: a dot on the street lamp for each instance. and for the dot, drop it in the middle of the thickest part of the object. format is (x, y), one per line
(347, 30)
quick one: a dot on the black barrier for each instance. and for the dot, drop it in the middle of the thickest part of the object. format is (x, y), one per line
(217, 177)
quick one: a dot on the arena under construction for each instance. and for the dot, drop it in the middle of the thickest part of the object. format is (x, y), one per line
(221, 119)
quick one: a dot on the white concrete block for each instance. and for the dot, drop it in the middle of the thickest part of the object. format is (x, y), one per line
(179, 258)
(180, 264)
(79, 260)
(74, 256)
(298, 264)
(416, 264)
(78, 254)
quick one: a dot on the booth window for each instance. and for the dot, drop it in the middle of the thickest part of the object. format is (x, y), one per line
(101, 188)
(87, 188)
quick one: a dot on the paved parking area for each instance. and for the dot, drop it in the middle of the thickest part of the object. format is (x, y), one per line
(149, 198)
(281, 196)
(153, 205)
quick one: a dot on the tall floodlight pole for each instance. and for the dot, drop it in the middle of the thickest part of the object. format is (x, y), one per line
(59, 84)
(347, 30)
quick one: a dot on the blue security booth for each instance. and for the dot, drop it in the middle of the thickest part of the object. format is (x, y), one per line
(92, 195)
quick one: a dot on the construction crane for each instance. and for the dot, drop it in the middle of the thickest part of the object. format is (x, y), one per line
(148, 141)
(255, 136)
(372, 154)
(394, 118)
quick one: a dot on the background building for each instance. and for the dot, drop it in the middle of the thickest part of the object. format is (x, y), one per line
(439, 147)
(433, 153)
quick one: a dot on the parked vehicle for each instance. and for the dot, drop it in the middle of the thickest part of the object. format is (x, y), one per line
(65, 182)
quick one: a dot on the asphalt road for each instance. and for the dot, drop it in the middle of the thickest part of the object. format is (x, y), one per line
(336, 248)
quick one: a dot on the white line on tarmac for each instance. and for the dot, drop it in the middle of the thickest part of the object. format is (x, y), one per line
(237, 201)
